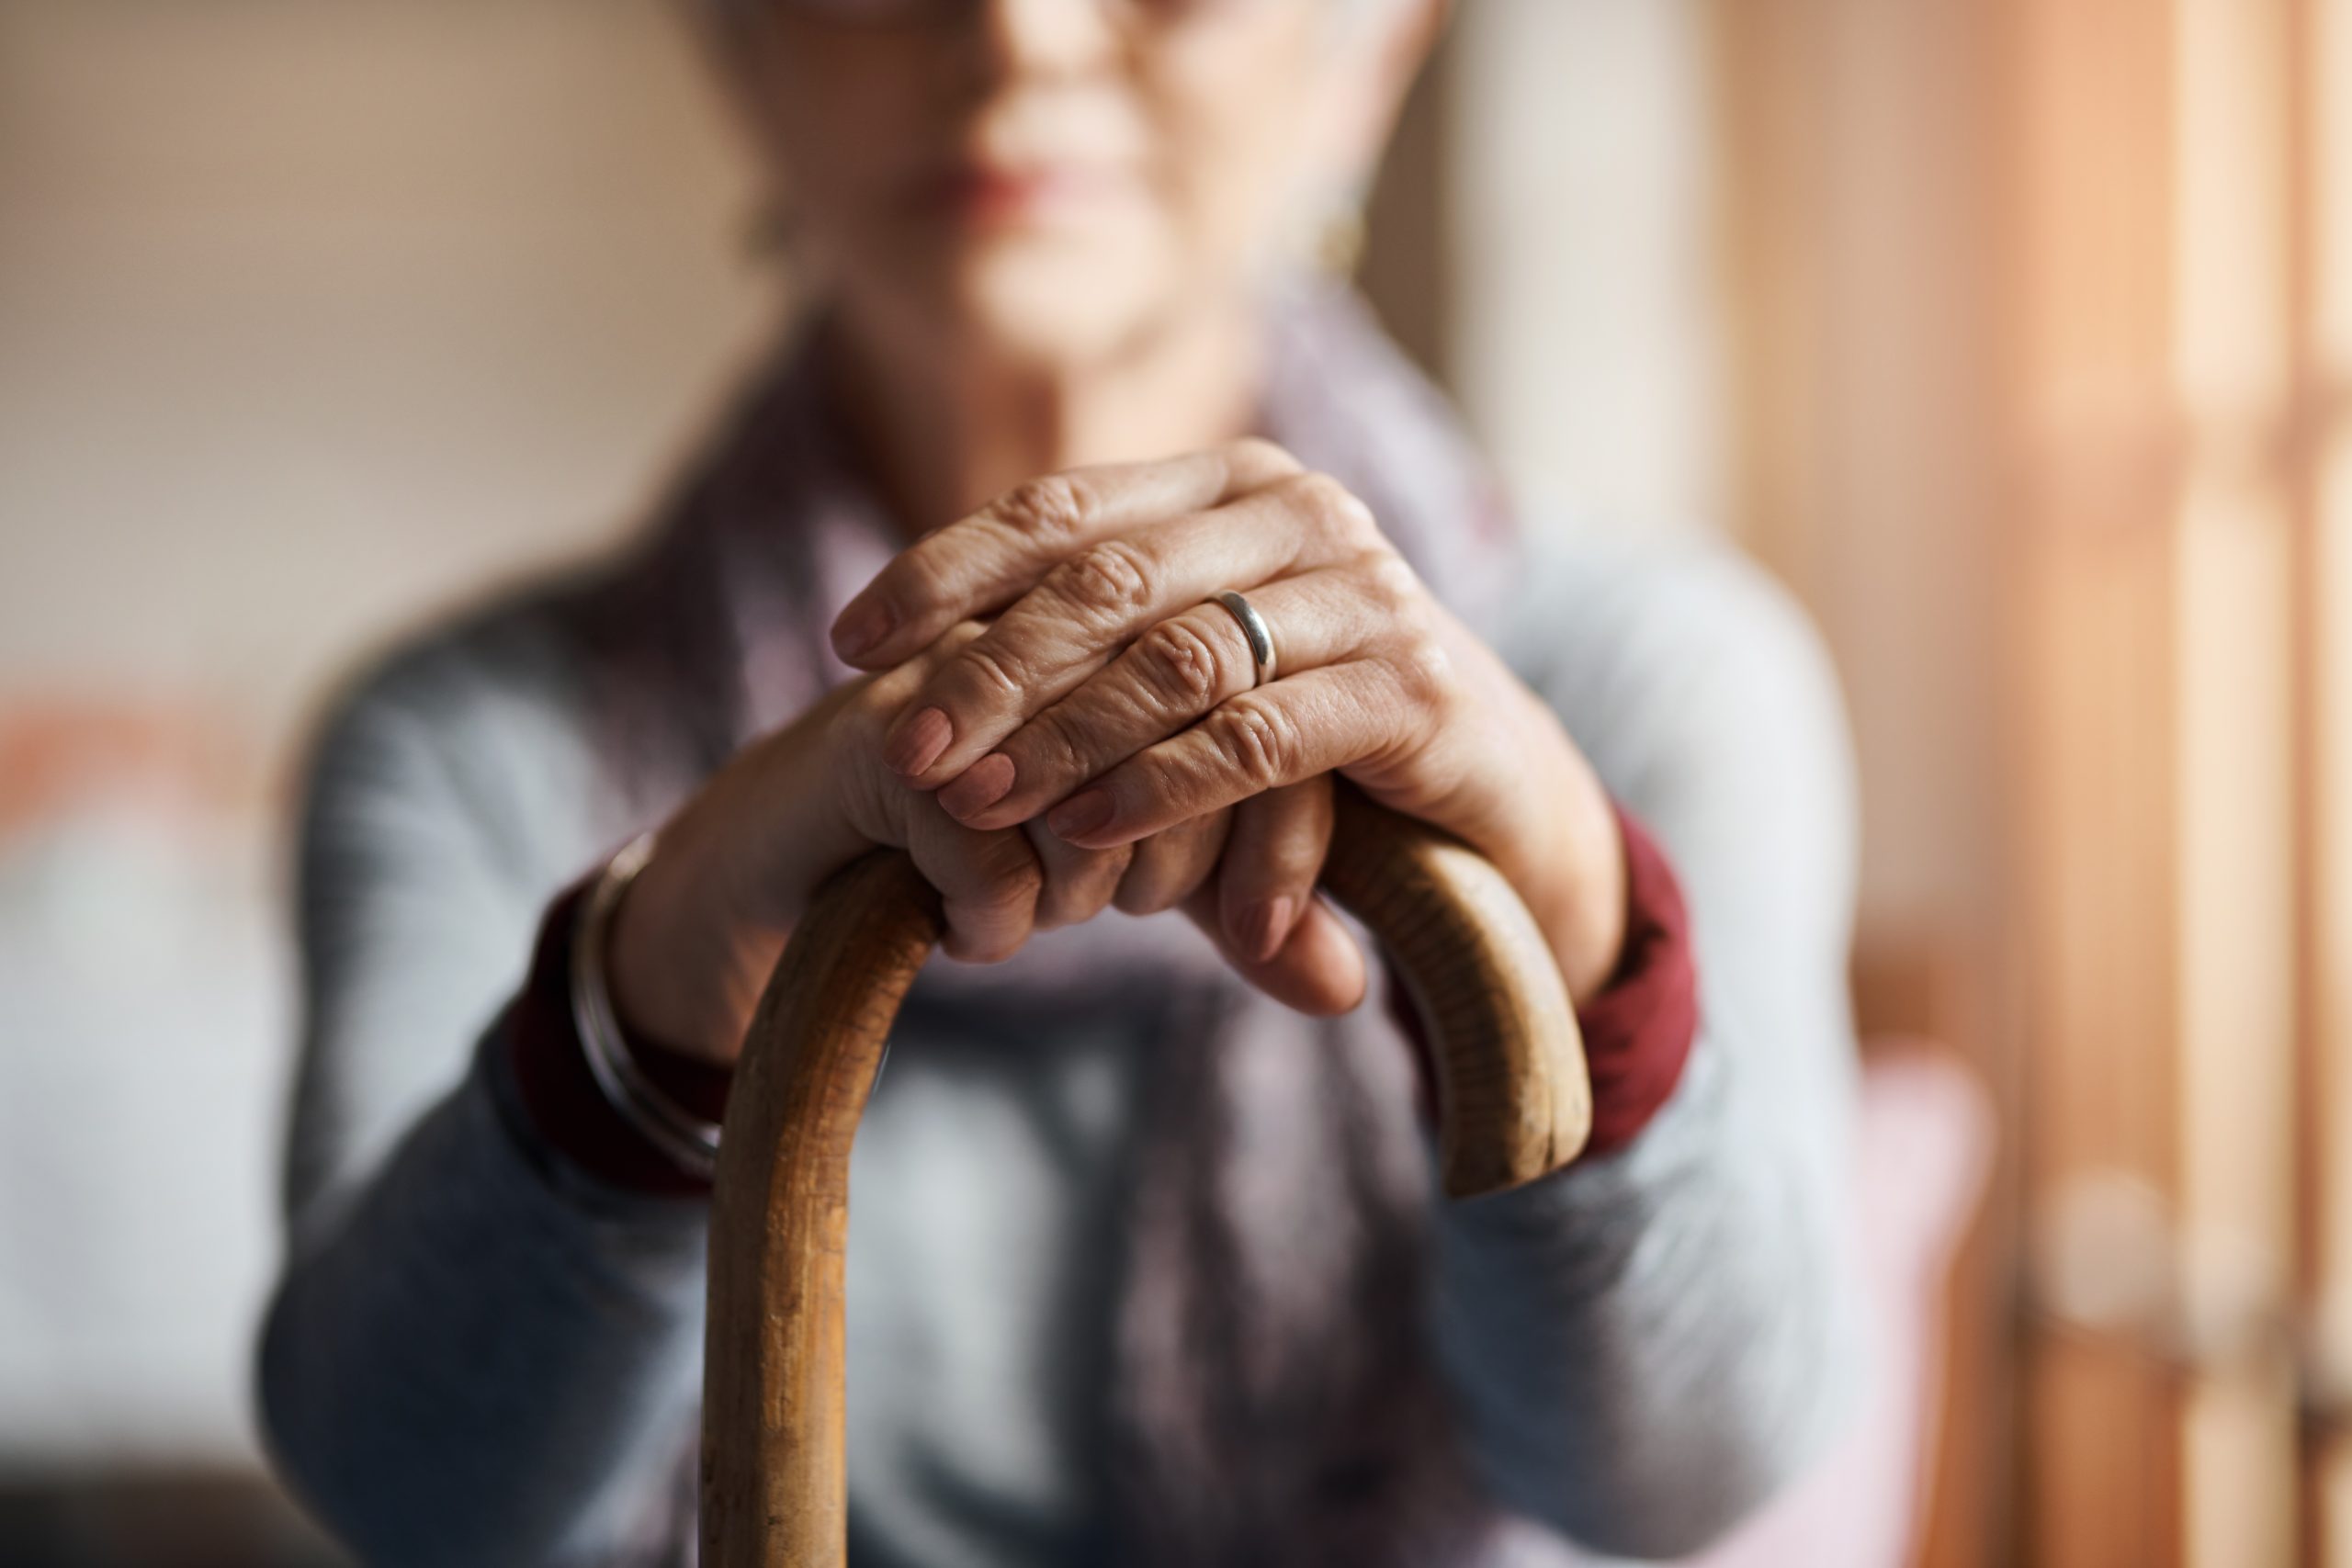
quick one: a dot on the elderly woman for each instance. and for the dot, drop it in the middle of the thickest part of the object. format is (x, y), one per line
(1147, 1263)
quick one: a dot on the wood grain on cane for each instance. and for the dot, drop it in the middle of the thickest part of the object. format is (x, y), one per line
(1514, 1103)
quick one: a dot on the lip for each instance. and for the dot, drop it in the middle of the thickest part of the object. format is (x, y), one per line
(991, 194)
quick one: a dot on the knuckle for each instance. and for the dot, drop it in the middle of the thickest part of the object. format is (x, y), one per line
(1395, 592)
(1076, 889)
(1184, 666)
(867, 711)
(1333, 509)
(992, 667)
(1394, 587)
(1103, 870)
(1017, 880)
(961, 635)
(1049, 746)
(1074, 902)
(991, 944)
(1049, 508)
(916, 583)
(1050, 753)
(1153, 883)
(1259, 740)
(1256, 455)
(1160, 898)
(1061, 904)
(1110, 579)
(1424, 669)
(1140, 893)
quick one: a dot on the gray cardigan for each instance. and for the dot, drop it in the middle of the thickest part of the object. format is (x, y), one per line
(1115, 1216)
(477, 1354)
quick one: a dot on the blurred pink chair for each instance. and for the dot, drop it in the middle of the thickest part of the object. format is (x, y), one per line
(1928, 1135)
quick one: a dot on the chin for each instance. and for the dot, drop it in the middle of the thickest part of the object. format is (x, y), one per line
(1058, 301)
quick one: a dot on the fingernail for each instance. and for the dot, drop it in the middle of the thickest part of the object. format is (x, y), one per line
(1081, 814)
(984, 784)
(861, 629)
(1264, 926)
(919, 742)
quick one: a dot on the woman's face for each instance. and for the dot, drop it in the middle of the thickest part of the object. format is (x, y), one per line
(1044, 181)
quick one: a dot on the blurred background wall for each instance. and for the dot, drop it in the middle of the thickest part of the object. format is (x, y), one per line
(313, 316)
(2012, 334)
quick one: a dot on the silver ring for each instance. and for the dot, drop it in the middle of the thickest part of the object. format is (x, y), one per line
(1254, 627)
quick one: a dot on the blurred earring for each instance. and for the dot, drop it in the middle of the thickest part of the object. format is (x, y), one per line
(1335, 242)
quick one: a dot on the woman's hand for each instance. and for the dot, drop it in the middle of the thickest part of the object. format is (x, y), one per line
(1110, 695)
(701, 928)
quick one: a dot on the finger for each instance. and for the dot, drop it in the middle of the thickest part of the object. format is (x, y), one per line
(1282, 733)
(989, 882)
(979, 564)
(1091, 604)
(1169, 867)
(1266, 877)
(875, 700)
(1167, 678)
(1320, 970)
(1079, 884)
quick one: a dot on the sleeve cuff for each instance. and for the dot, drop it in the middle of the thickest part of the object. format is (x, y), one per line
(1638, 1031)
(560, 1095)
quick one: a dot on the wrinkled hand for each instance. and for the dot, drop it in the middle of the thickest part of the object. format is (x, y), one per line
(700, 930)
(1004, 879)
(1108, 693)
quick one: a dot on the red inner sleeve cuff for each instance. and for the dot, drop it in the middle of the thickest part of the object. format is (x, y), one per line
(1639, 1030)
(560, 1092)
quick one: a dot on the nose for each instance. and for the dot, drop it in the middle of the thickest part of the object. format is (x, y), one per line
(1045, 37)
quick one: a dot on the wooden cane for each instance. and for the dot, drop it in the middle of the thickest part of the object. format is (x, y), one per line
(1513, 1103)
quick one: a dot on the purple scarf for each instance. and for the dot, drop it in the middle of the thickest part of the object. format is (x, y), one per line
(1273, 1400)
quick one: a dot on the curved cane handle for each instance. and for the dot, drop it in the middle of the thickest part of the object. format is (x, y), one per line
(1512, 1096)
